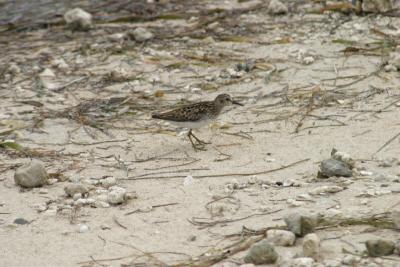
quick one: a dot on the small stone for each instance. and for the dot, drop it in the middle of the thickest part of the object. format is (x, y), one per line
(281, 237)
(83, 228)
(117, 37)
(31, 175)
(73, 189)
(60, 64)
(77, 196)
(141, 34)
(301, 224)
(78, 19)
(343, 156)
(333, 167)
(311, 246)
(52, 181)
(108, 182)
(379, 247)
(326, 189)
(101, 204)
(50, 212)
(366, 173)
(377, 6)
(276, 7)
(308, 60)
(298, 262)
(261, 253)
(21, 221)
(351, 260)
(116, 195)
(396, 218)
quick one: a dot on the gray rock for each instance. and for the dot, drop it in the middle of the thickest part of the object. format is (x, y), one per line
(31, 175)
(78, 19)
(108, 182)
(261, 253)
(73, 189)
(333, 263)
(379, 247)
(311, 246)
(141, 34)
(276, 7)
(281, 237)
(21, 221)
(301, 224)
(333, 167)
(116, 195)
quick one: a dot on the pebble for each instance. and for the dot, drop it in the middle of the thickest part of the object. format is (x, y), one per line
(311, 246)
(308, 60)
(117, 37)
(108, 182)
(326, 189)
(276, 7)
(32, 174)
(83, 228)
(333, 263)
(281, 237)
(60, 64)
(396, 218)
(366, 173)
(78, 19)
(301, 224)
(77, 196)
(261, 253)
(72, 189)
(21, 221)
(141, 34)
(377, 6)
(84, 201)
(379, 247)
(43, 191)
(116, 195)
(298, 262)
(333, 167)
(351, 260)
(101, 204)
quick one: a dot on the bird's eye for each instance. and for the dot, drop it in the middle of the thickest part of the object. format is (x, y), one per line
(227, 99)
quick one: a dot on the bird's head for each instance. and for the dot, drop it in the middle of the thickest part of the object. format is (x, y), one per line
(225, 100)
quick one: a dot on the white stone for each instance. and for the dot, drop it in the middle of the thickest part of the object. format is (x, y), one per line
(83, 228)
(101, 204)
(77, 196)
(78, 19)
(276, 7)
(351, 260)
(72, 189)
(142, 34)
(281, 237)
(116, 195)
(47, 73)
(366, 173)
(60, 64)
(108, 182)
(308, 60)
(311, 246)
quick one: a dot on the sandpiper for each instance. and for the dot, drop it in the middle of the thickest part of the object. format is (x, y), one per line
(196, 115)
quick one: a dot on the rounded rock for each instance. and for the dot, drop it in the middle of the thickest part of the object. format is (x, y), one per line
(31, 175)
(261, 253)
(116, 195)
(141, 34)
(281, 237)
(276, 7)
(380, 247)
(78, 19)
(311, 246)
(73, 189)
(333, 167)
(301, 224)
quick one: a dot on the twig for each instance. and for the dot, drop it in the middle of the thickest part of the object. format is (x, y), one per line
(153, 207)
(204, 224)
(218, 175)
(388, 142)
(118, 223)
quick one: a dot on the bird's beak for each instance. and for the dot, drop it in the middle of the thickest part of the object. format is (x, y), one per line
(236, 103)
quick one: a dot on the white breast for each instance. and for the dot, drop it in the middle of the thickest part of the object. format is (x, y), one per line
(192, 125)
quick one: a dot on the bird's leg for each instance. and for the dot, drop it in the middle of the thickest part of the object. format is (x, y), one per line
(195, 147)
(198, 140)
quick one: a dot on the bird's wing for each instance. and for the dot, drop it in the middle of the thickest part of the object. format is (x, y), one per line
(192, 112)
